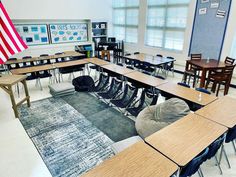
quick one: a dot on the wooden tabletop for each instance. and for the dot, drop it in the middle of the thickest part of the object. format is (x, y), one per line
(186, 138)
(145, 79)
(48, 66)
(139, 160)
(117, 69)
(98, 61)
(222, 111)
(9, 80)
(187, 93)
(64, 54)
(212, 64)
(154, 60)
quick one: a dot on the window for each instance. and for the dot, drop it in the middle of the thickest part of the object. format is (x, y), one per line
(233, 49)
(125, 20)
(166, 23)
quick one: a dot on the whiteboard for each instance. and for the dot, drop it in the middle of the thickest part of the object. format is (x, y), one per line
(68, 32)
(33, 34)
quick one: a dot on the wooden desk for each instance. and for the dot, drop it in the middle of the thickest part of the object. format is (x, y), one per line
(221, 111)
(139, 160)
(50, 57)
(117, 69)
(154, 60)
(186, 138)
(187, 93)
(6, 83)
(48, 66)
(98, 61)
(145, 79)
(205, 66)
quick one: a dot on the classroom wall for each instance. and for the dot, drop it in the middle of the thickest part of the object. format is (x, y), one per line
(58, 9)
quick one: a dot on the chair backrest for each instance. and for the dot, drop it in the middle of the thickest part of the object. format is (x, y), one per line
(228, 70)
(129, 94)
(103, 81)
(231, 135)
(116, 86)
(193, 166)
(151, 97)
(215, 146)
(27, 57)
(61, 59)
(171, 64)
(127, 54)
(159, 55)
(183, 84)
(136, 53)
(42, 61)
(229, 61)
(203, 90)
(111, 39)
(197, 56)
(13, 66)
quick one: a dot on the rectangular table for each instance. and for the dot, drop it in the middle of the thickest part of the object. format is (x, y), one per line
(222, 111)
(117, 69)
(48, 66)
(187, 93)
(98, 61)
(139, 160)
(154, 60)
(145, 79)
(205, 66)
(50, 57)
(186, 138)
(6, 83)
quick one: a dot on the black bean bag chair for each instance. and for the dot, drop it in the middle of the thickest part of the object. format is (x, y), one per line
(83, 84)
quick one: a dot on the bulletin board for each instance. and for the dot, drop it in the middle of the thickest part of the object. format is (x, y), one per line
(70, 32)
(33, 34)
(209, 27)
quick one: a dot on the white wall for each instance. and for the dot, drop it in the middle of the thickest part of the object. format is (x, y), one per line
(58, 9)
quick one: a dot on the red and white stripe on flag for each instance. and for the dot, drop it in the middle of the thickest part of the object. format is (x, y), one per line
(10, 41)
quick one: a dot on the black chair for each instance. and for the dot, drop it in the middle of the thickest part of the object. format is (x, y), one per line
(13, 66)
(60, 59)
(113, 91)
(230, 137)
(194, 165)
(147, 98)
(136, 53)
(146, 67)
(159, 55)
(213, 149)
(102, 84)
(128, 97)
(169, 66)
(44, 74)
(183, 84)
(27, 64)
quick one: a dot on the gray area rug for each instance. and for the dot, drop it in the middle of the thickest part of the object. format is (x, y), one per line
(68, 143)
(107, 119)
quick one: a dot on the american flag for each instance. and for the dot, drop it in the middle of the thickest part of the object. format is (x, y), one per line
(10, 41)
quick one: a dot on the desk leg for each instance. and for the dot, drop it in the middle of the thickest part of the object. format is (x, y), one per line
(203, 78)
(14, 106)
(26, 92)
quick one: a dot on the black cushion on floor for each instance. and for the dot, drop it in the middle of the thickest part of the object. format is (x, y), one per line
(83, 83)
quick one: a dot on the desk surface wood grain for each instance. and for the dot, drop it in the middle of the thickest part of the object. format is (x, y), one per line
(186, 138)
(139, 160)
(187, 93)
(222, 111)
(118, 69)
(146, 79)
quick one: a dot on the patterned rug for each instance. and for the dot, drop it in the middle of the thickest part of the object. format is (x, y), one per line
(68, 143)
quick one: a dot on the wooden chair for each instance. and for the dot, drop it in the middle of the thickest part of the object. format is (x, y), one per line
(192, 70)
(221, 77)
(229, 61)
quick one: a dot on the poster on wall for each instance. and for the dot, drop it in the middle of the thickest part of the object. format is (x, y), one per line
(33, 34)
(71, 32)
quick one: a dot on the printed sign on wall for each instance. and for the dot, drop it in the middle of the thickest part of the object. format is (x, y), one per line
(74, 32)
(33, 34)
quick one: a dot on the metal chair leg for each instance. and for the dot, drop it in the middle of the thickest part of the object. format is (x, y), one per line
(217, 163)
(234, 146)
(226, 157)
(200, 170)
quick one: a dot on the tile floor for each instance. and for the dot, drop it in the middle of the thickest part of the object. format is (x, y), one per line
(19, 157)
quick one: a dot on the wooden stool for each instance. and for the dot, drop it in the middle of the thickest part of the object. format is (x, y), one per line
(106, 55)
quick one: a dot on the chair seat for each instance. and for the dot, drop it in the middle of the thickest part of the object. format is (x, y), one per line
(32, 77)
(45, 75)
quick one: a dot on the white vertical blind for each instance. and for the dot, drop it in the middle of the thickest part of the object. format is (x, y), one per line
(166, 23)
(125, 20)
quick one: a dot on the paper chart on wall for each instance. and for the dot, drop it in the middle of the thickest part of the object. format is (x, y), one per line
(33, 34)
(74, 32)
